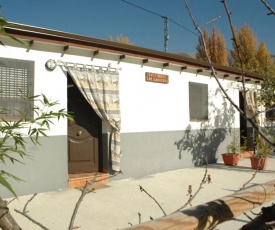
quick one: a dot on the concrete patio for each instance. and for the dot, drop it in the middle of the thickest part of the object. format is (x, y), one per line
(117, 205)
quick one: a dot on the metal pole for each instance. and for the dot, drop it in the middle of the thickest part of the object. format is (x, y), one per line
(166, 35)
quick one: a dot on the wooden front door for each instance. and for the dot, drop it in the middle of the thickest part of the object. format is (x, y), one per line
(83, 133)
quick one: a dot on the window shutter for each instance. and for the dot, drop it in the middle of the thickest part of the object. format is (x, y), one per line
(16, 75)
(198, 101)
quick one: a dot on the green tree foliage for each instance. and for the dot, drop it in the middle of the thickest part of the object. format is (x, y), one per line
(121, 39)
(215, 46)
(12, 143)
(13, 133)
(3, 22)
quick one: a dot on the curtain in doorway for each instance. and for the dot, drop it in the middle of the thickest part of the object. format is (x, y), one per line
(100, 88)
(251, 103)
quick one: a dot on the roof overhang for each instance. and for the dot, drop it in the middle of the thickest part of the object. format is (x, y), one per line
(123, 51)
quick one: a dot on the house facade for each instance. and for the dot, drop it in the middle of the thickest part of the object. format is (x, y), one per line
(157, 111)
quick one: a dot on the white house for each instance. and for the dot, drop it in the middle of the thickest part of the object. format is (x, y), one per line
(163, 111)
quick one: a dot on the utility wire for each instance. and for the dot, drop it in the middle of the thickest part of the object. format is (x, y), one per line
(183, 27)
(143, 8)
(173, 20)
(160, 16)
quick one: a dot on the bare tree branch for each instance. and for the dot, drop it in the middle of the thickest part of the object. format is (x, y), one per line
(83, 193)
(253, 175)
(143, 190)
(25, 207)
(238, 52)
(11, 200)
(211, 66)
(203, 181)
(24, 213)
(248, 216)
(246, 183)
(251, 120)
(268, 7)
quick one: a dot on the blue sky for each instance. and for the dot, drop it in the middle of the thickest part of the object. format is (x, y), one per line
(101, 18)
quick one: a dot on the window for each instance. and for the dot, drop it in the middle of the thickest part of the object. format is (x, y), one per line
(15, 75)
(198, 101)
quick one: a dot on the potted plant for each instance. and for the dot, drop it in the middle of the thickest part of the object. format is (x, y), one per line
(262, 151)
(234, 150)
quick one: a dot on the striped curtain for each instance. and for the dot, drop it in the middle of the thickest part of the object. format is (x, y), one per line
(251, 104)
(100, 88)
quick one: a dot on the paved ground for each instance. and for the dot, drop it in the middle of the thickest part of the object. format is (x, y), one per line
(114, 207)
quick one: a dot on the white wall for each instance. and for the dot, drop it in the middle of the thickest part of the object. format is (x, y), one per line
(145, 106)
(148, 106)
(52, 84)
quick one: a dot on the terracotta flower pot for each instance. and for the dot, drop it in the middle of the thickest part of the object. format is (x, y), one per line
(231, 159)
(258, 163)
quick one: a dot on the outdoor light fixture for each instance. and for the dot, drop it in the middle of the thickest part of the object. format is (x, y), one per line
(51, 64)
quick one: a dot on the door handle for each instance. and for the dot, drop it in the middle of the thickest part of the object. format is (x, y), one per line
(79, 133)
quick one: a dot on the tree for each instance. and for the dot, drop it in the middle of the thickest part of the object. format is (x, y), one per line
(265, 61)
(266, 67)
(121, 39)
(110, 38)
(12, 143)
(256, 59)
(13, 134)
(244, 54)
(201, 54)
(246, 42)
(222, 54)
(215, 46)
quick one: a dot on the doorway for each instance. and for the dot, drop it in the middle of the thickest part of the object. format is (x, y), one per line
(84, 133)
(246, 129)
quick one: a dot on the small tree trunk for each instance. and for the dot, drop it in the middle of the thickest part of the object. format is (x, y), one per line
(6, 220)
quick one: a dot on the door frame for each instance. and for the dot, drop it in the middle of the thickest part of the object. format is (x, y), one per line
(244, 129)
(100, 159)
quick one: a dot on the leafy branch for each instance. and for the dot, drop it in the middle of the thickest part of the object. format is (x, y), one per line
(3, 23)
(13, 133)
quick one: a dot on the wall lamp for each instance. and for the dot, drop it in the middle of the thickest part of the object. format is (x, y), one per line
(50, 64)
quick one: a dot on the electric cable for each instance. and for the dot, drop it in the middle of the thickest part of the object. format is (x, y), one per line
(190, 31)
(160, 16)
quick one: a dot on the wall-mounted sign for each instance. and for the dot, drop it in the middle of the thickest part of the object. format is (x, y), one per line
(155, 77)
